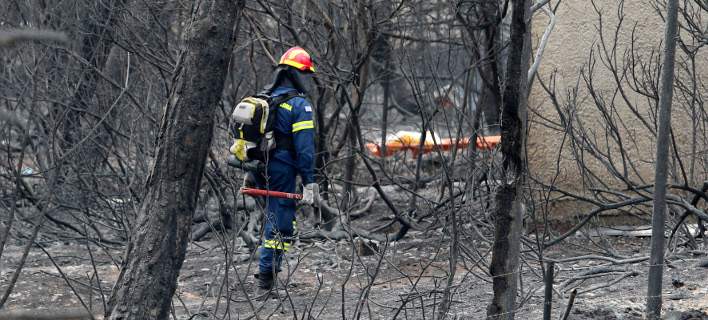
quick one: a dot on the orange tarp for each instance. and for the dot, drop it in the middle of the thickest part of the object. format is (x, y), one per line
(407, 140)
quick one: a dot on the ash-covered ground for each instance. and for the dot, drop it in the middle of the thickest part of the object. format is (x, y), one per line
(406, 279)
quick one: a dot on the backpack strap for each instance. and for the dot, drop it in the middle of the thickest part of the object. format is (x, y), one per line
(283, 141)
(278, 100)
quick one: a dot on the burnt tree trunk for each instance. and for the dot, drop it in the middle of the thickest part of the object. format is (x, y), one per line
(99, 27)
(362, 35)
(80, 153)
(156, 251)
(656, 261)
(382, 68)
(487, 54)
(509, 207)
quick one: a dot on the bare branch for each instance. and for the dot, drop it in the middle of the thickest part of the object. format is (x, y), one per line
(11, 37)
(542, 45)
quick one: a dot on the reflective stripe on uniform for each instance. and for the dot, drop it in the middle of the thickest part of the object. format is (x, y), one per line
(302, 125)
(278, 245)
(286, 106)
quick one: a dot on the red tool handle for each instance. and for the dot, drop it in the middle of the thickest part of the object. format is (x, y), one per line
(268, 193)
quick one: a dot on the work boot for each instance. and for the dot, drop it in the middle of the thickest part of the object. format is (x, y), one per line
(266, 280)
(266, 284)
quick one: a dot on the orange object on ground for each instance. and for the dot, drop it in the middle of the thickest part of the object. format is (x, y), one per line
(267, 193)
(488, 142)
(408, 140)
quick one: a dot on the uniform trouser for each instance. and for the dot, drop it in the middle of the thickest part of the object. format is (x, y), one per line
(279, 217)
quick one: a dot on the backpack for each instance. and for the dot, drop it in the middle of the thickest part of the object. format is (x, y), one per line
(252, 125)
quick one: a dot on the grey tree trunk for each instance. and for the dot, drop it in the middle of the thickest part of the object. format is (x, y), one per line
(656, 260)
(81, 155)
(362, 35)
(382, 68)
(156, 251)
(509, 206)
(99, 27)
(488, 52)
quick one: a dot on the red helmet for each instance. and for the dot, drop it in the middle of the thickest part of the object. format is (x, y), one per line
(297, 58)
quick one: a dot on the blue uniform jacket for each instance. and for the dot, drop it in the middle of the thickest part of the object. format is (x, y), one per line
(296, 117)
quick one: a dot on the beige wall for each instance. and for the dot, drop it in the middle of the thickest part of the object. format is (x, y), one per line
(568, 50)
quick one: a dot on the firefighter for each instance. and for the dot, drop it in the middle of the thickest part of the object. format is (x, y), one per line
(294, 155)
